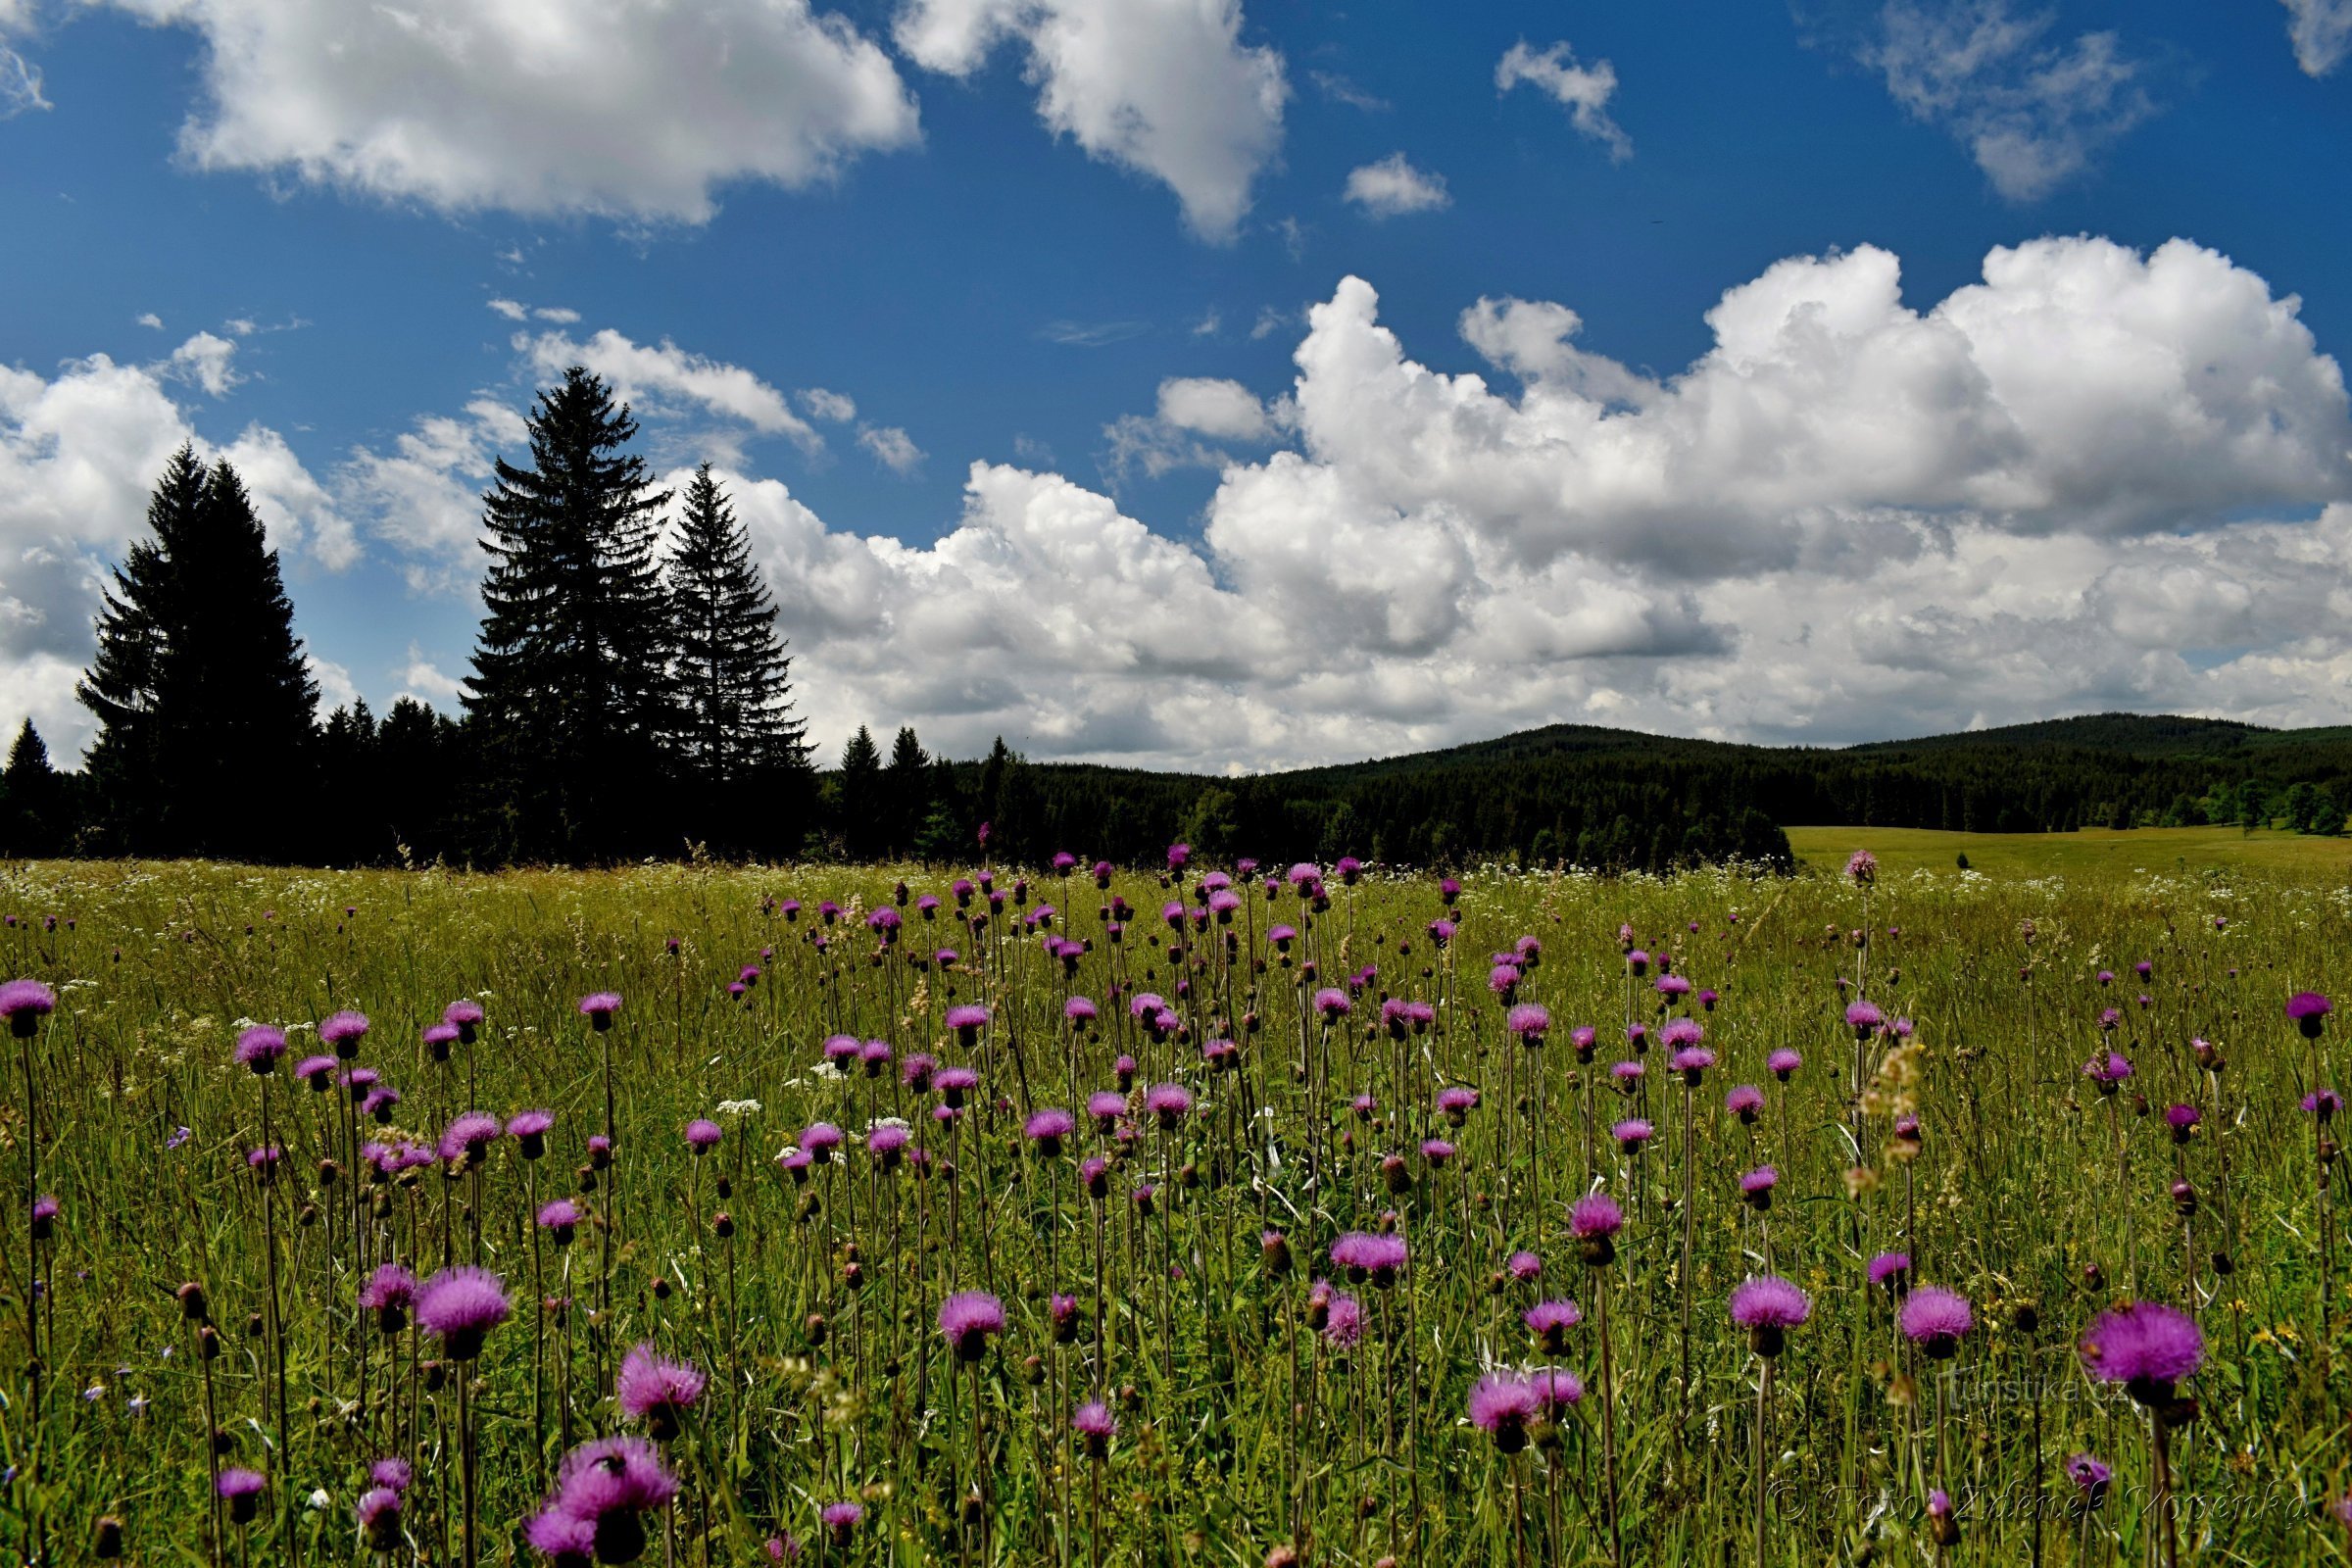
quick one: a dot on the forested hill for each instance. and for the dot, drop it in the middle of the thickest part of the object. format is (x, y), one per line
(1619, 798)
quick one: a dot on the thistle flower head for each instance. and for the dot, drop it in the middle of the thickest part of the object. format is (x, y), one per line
(967, 1319)
(2145, 1345)
(657, 1390)
(1502, 1404)
(459, 1307)
(1936, 1320)
(259, 1046)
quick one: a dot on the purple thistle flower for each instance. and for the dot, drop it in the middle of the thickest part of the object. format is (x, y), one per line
(2323, 1104)
(1596, 1215)
(1768, 1307)
(1530, 1021)
(320, 1070)
(559, 1217)
(1331, 1004)
(602, 1491)
(1628, 1073)
(2090, 1477)
(2146, 1346)
(966, 1320)
(1892, 1271)
(1370, 1254)
(1557, 1390)
(529, 1130)
(259, 1046)
(657, 1390)
(1437, 1151)
(820, 1140)
(954, 1083)
(1862, 868)
(338, 1029)
(1523, 1266)
(2107, 1069)
(393, 1473)
(1095, 1424)
(1079, 1010)
(1168, 1101)
(26, 1003)
(242, 1490)
(1758, 1183)
(1502, 1404)
(599, 1006)
(379, 1514)
(1783, 1063)
(1693, 1062)
(466, 1014)
(1455, 1103)
(702, 1135)
(1048, 1128)
(1679, 1034)
(1863, 1016)
(841, 1519)
(1550, 1321)
(1936, 1320)
(1744, 1102)
(915, 1071)
(459, 1307)
(967, 1021)
(2307, 1010)
(1343, 1322)
(389, 1293)
(468, 1136)
(1632, 1133)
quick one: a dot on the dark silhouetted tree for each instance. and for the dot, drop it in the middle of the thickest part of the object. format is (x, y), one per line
(35, 805)
(906, 791)
(569, 693)
(858, 806)
(738, 745)
(205, 705)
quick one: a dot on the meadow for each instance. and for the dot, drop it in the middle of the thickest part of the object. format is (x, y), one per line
(1226, 1215)
(2090, 851)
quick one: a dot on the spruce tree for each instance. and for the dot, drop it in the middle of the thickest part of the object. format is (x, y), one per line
(906, 791)
(570, 690)
(858, 801)
(32, 799)
(205, 708)
(737, 740)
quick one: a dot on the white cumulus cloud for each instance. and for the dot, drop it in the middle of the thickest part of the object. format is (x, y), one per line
(634, 109)
(2321, 33)
(1582, 90)
(1394, 186)
(2033, 114)
(1163, 87)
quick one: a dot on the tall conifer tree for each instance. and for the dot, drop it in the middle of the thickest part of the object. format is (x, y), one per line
(737, 740)
(569, 691)
(205, 708)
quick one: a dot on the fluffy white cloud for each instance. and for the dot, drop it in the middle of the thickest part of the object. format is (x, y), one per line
(1164, 87)
(2321, 33)
(207, 360)
(1582, 90)
(2032, 115)
(891, 447)
(1851, 518)
(663, 374)
(635, 109)
(1191, 408)
(1392, 186)
(832, 407)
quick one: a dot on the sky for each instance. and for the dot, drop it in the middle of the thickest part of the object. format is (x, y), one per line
(1233, 384)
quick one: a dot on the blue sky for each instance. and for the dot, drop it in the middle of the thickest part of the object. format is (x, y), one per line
(1075, 242)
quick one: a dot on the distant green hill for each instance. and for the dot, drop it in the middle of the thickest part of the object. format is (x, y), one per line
(1620, 798)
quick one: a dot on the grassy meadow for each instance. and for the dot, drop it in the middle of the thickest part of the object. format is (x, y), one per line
(2090, 851)
(1170, 1365)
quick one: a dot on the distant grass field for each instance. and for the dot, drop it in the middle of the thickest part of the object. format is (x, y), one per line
(2150, 848)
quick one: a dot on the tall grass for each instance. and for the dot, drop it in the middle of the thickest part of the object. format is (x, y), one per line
(1256, 1398)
